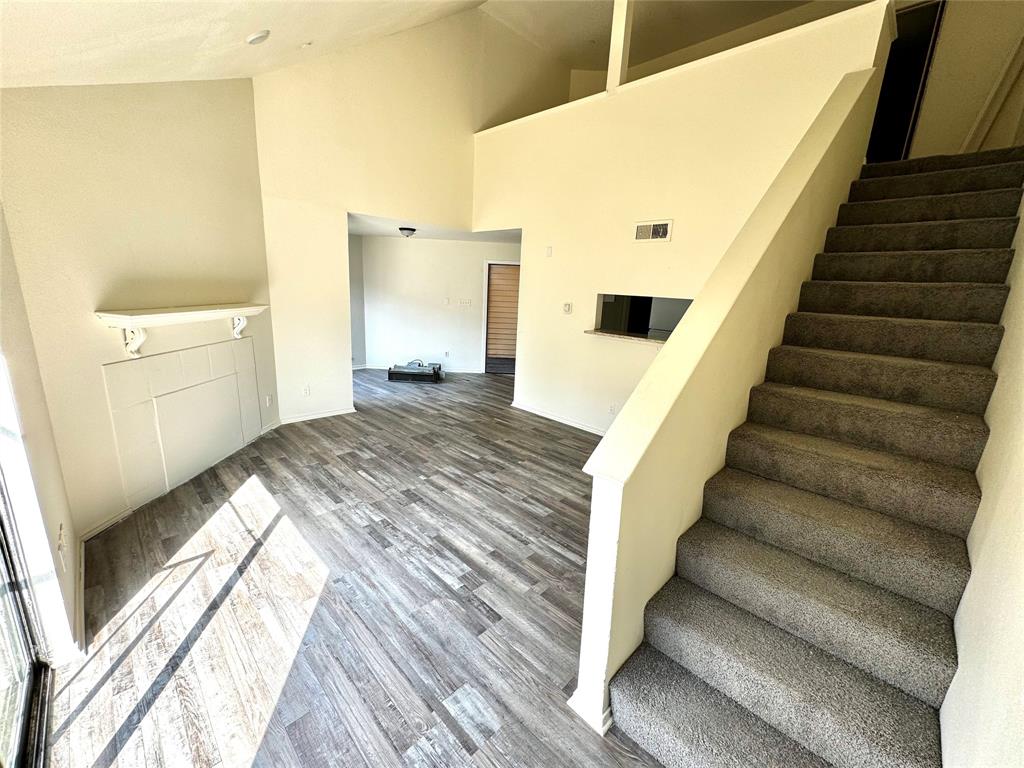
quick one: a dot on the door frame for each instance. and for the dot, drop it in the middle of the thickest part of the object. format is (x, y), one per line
(487, 281)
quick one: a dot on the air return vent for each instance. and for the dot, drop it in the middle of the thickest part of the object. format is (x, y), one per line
(653, 231)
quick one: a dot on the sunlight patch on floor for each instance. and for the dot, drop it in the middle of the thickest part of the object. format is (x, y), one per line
(206, 616)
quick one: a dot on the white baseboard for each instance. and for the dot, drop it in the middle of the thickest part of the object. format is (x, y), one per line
(560, 419)
(359, 367)
(602, 725)
(78, 627)
(318, 415)
(120, 515)
(105, 523)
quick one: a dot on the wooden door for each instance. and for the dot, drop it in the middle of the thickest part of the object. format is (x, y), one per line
(502, 316)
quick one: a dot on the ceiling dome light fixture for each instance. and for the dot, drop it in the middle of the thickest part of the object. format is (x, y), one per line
(407, 231)
(258, 37)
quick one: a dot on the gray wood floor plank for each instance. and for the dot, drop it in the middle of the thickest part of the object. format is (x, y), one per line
(401, 587)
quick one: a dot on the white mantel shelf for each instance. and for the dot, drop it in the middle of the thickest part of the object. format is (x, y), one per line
(134, 322)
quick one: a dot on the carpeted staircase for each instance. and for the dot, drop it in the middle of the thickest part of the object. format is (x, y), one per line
(810, 619)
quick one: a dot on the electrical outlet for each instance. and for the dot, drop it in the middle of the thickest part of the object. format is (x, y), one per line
(446, 354)
(611, 409)
(567, 308)
(269, 400)
(305, 390)
(549, 251)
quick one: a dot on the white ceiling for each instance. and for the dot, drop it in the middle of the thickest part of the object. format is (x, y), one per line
(377, 226)
(664, 26)
(45, 42)
(575, 31)
(83, 42)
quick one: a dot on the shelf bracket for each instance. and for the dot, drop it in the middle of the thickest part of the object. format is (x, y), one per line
(238, 325)
(133, 340)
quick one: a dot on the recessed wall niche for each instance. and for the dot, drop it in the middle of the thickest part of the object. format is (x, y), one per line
(648, 317)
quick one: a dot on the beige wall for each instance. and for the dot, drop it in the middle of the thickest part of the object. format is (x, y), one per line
(384, 129)
(670, 146)
(649, 471)
(32, 471)
(983, 714)
(119, 197)
(424, 299)
(976, 39)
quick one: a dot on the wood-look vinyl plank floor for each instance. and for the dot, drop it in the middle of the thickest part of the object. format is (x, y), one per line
(402, 587)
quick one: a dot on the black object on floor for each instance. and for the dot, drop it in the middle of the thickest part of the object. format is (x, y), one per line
(416, 370)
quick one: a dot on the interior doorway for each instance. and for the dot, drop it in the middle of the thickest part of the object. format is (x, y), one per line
(903, 84)
(501, 318)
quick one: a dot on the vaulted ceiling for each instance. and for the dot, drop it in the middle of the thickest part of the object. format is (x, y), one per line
(577, 31)
(80, 42)
(83, 42)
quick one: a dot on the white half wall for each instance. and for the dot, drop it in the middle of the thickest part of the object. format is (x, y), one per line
(425, 299)
(649, 470)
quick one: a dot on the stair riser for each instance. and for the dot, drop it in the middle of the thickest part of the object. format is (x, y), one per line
(831, 630)
(980, 233)
(943, 163)
(782, 522)
(939, 183)
(864, 486)
(975, 205)
(978, 266)
(683, 722)
(968, 302)
(974, 344)
(888, 380)
(959, 444)
(764, 692)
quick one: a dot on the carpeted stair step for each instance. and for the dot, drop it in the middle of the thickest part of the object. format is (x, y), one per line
(919, 563)
(943, 162)
(897, 640)
(987, 204)
(952, 386)
(972, 302)
(922, 235)
(832, 708)
(685, 723)
(944, 340)
(971, 265)
(942, 497)
(1002, 176)
(930, 434)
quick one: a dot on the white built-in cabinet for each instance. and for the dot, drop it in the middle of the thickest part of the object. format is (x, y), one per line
(178, 413)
